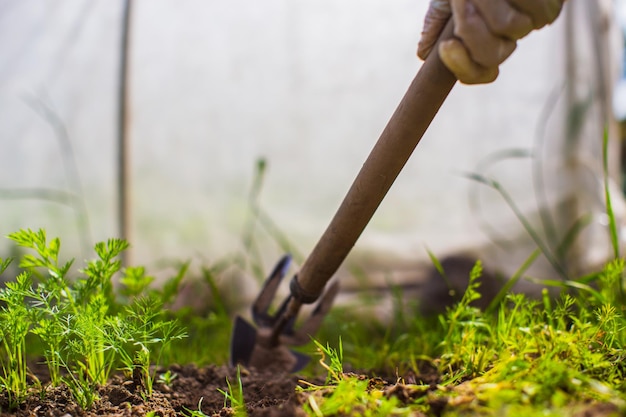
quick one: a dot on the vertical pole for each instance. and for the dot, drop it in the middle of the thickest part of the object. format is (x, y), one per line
(588, 109)
(123, 157)
(604, 58)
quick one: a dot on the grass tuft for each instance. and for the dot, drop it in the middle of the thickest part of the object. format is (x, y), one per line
(520, 357)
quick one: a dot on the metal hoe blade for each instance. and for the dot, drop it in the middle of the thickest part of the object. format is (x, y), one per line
(267, 346)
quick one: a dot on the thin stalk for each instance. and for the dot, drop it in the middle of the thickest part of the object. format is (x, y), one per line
(123, 157)
(545, 249)
(249, 243)
(259, 217)
(72, 173)
(609, 205)
(539, 183)
(512, 281)
(474, 197)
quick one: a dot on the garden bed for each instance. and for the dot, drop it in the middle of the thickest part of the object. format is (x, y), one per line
(190, 390)
(78, 347)
(197, 391)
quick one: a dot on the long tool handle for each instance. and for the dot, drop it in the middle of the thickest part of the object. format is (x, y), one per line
(420, 104)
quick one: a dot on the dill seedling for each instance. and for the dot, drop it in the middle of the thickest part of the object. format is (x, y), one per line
(82, 387)
(14, 326)
(139, 335)
(80, 324)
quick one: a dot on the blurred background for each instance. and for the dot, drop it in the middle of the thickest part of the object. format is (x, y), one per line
(209, 130)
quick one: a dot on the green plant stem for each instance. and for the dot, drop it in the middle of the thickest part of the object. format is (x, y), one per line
(527, 226)
(510, 283)
(609, 205)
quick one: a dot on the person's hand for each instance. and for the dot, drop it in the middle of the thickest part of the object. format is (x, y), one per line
(485, 33)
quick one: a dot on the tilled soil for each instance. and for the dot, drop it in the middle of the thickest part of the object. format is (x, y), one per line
(265, 395)
(192, 389)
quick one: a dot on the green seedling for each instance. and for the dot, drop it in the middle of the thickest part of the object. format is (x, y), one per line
(14, 327)
(510, 283)
(440, 270)
(82, 387)
(335, 368)
(526, 357)
(196, 413)
(4, 264)
(135, 281)
(87, 348)
(233, 397)
(80, 325)
(72, 316)
(346, 394)
(139, 336)
(167, 377)
(49, 326)
(609, 207)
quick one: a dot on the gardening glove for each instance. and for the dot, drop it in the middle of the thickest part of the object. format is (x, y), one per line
(485, 33)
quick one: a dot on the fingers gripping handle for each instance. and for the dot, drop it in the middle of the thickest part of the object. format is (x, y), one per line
(420, 104)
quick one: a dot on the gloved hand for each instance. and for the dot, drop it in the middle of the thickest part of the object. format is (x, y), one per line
(486, 33)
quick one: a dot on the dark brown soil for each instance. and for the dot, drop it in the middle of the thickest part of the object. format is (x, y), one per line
(193, 389)
(265, 395)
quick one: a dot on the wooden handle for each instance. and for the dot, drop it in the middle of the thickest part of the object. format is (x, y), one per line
(420, 104)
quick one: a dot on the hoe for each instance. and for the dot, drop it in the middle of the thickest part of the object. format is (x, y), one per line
(267, 345)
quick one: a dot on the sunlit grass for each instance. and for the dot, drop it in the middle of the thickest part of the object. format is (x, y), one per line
(528, 357)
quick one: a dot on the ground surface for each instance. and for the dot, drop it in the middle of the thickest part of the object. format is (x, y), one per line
(266, 394)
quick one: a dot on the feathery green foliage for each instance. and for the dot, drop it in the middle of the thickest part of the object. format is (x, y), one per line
(81, 325)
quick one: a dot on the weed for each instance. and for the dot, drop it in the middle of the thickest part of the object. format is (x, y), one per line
(167, 377)
(335, 368)
(611, 214)
(195, 413)
(346, 394)
(531, 357)
(233, 397)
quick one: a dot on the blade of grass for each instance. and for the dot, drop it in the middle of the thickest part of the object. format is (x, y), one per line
(439, 268)
(609, 205)
(607, 195)
(474, 200)
(249, 243)
(572, 233)
(538, 176)
(512, 281)
(545, 249)
(569, 284)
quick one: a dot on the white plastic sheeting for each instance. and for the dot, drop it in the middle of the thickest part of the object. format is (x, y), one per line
(308, 86)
